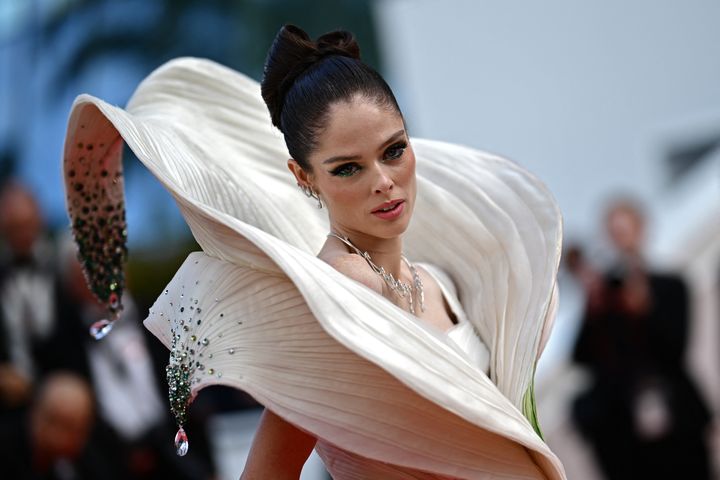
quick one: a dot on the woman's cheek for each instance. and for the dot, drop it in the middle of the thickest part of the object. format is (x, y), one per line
(409, 180)
(344, 194)
(344, 198)
(411, 158)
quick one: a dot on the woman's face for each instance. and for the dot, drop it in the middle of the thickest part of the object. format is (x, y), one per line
(364, 169)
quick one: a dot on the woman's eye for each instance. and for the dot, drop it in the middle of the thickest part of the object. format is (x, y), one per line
(346, 170)
(395, 151)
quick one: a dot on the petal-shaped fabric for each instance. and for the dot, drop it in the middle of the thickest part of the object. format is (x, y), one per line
(258, 311)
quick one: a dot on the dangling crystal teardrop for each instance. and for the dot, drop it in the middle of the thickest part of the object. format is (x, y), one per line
(100, 328)
(181, 442)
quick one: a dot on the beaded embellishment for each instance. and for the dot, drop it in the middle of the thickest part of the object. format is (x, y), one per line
(196, 341)
(94, 180)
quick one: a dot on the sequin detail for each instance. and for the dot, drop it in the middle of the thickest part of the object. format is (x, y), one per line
(190, 348)
(94, 180)
(178, 374)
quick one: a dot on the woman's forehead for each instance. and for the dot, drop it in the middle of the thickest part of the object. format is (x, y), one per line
(358, 125)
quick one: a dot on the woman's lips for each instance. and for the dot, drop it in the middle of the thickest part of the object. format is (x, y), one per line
(391, 214)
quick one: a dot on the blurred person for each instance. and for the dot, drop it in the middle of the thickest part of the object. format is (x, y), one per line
(643, 414)
(55, 438)
(121, 371)
(26, 293)
(589, 278)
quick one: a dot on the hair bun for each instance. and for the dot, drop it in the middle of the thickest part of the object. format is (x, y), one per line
(292, 52)
(339, 42)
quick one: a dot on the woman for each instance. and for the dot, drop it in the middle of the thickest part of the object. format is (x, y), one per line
(358, 352)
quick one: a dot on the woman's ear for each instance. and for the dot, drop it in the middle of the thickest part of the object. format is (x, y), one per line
(300, 174)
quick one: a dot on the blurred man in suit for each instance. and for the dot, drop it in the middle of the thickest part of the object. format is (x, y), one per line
(27, 311)
(643, 414)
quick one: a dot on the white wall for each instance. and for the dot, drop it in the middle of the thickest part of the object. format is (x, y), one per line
(585, 94)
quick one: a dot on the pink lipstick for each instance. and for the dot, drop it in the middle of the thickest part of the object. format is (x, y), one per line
(389, 210)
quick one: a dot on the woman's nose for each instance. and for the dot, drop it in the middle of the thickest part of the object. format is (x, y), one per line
(383, 182)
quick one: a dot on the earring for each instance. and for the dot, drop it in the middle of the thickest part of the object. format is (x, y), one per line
(310, 193)
(305, 189)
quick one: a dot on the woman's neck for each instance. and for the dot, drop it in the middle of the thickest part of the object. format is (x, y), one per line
(384, 252)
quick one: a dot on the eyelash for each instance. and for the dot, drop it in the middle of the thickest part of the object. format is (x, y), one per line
(401, 146)
(349, 169)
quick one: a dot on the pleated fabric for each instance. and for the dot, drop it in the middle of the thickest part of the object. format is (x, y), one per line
(386, 395)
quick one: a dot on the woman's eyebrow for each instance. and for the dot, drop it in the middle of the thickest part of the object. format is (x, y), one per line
(341, 158)
(395, 136)
(344, 158)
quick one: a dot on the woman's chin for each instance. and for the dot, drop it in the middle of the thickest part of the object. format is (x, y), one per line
(392, 230)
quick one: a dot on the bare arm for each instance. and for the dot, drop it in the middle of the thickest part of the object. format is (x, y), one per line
(279, 450)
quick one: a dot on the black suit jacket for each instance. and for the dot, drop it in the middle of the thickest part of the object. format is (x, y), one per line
(626, 354)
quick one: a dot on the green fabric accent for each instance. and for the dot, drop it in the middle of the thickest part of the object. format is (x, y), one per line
(530, 407)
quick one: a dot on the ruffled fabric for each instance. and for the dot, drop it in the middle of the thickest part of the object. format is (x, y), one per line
(256, 310)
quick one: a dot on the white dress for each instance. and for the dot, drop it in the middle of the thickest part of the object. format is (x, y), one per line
(342, 464)
(386, 395)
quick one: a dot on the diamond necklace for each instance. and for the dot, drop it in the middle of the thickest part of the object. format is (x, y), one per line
(404, 290)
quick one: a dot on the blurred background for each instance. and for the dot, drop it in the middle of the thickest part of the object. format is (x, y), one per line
(614, 105)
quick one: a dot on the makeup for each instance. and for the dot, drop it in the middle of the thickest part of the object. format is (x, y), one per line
(390, 210)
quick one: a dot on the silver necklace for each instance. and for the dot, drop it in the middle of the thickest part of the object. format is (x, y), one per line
(402, 289)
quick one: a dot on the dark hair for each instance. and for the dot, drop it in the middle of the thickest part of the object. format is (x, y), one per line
(302, 78)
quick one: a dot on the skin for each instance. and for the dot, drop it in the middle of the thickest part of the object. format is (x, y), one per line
(20, 220)
(377, 165)
(626, 228)
(61, 419)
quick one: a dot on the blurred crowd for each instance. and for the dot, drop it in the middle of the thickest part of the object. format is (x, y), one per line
(642, 414)
(72, 407)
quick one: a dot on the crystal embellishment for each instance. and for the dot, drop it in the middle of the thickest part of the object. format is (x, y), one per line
(94, 187)
(181, 442)
(178, 378)
(189, 352)
(99, 329)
